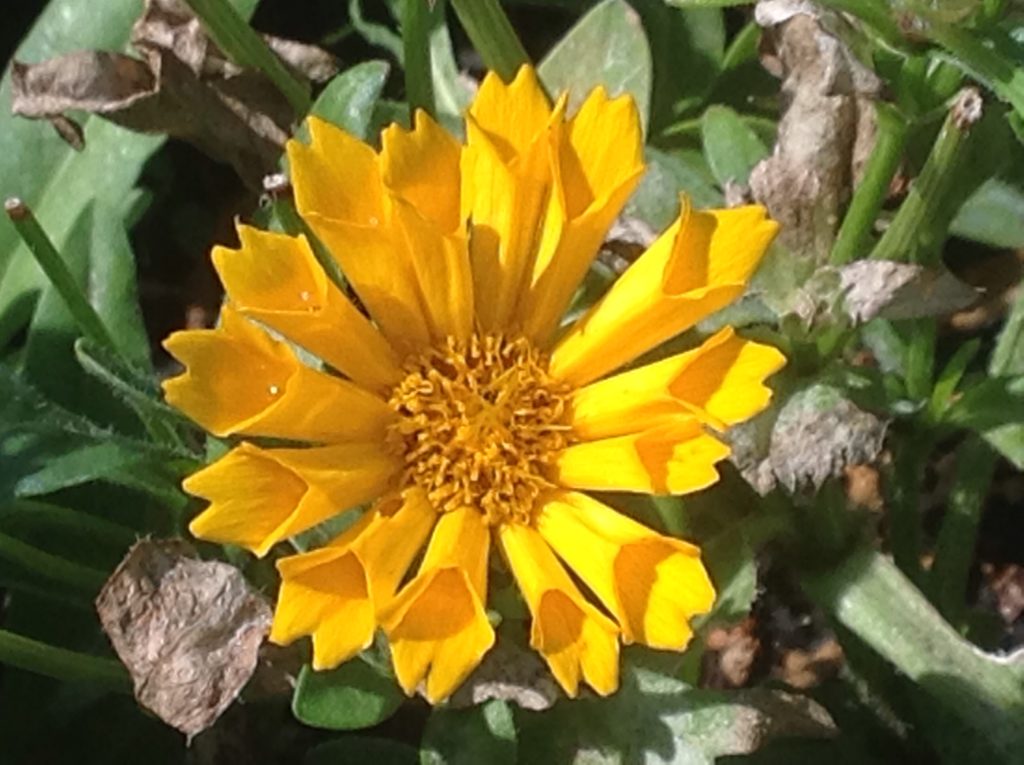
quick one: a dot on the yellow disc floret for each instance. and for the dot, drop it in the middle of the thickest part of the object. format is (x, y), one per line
(480, 424)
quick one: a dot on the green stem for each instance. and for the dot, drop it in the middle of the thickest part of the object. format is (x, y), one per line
(48, 517)
(243, 45)
(904, 500)
(56, 270)
(417, 21)
(958, 535)
(917, 230)
(920, 360)
(62, 664)
(867, 594)
(82, 579)
(492, 35)
(870, 194)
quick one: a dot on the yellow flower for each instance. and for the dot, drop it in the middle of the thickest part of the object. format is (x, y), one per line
(456, 404)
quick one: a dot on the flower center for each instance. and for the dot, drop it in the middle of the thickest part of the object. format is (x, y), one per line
(480, 424)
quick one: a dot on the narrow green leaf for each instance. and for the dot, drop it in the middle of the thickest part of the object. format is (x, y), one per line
(993, 215)
(349, 98)
(1008, 356)
(418, 18)
(376, 34)
(492, 35)
(37, 166)
(731, 147)
(351, 697)
(606, 47)
(44, 565)
(62, 664)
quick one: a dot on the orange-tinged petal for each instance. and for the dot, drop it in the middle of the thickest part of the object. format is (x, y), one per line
(504, 198)
(597, 163)
(512, 115)
(651, 583)
(422, 166)
(276, 279)
(261, 496)
(677, 457)
(437, 625)
(575, 639)
(441, 264)
(700, 264)
(721, 383)
(375, 260)
(239, 380)
(336, 176)
(335, 593)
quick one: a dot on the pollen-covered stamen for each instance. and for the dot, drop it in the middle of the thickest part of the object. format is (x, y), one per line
(480, 425)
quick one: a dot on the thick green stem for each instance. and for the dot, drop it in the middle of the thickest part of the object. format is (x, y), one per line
(492, 35)
(84, 580)
(417, 21)
(243, 45)
(919, 227)
(954, 551)
(867, 594)
(62, 664)
(870, 194)
(56, 270)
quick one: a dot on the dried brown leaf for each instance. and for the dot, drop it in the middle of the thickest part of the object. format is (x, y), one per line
(183, 86)
(822, 134)
(189, 631)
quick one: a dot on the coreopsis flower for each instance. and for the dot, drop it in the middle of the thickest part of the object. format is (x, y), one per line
(451, 402)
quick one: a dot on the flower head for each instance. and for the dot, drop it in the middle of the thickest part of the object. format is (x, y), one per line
(451, 402)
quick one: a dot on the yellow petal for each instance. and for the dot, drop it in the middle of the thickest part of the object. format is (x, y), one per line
(238, 380)
(673, 458)
(324, 594)
(437, 625)
(422, 167)
(575, 639)
(721, 383)
(260, 496)
(504, 198)
(335, 593)
(512, 115)
(441, 264)
(652, 584)
(375, 260)
(700, 264)
(336, 176)
(597, 165)
(276, 279)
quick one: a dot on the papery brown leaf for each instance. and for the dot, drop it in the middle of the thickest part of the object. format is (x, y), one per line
(183, 86)
(189, 631)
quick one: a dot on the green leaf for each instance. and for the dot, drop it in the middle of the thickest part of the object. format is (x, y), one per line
(1008, 356)
(992, 215)
(656, 200)
(731, 147)
(376, 34)
(656, 718)
(606, 47)
(452, 90)
(37, 166)
(349, 98)
(486, 733)
(357, 749)
(353, 696)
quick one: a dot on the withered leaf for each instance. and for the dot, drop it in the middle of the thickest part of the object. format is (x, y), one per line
(901, 291)
(826, 130)
(189, 631)
(818, 433)
(509, 673)
(183, 86)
